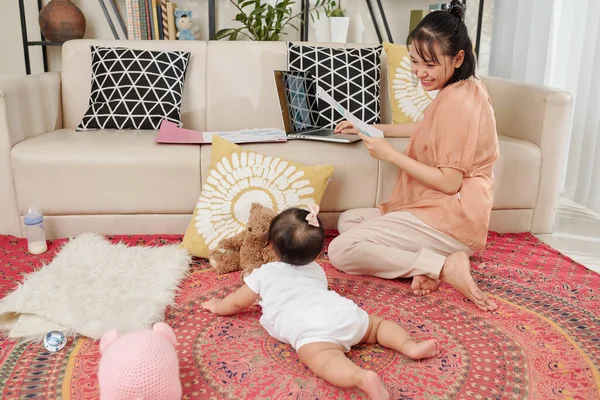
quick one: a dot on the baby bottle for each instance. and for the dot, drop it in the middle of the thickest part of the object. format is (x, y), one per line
(34, 228)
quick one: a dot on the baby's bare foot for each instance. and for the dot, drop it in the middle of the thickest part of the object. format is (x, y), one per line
(369, 382)
(417, 351)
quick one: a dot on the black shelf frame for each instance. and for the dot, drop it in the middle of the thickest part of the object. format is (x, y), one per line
(479, 21)
(27, 43)
(212, 10)
(304, 24)
(109, 19)
(45, 43)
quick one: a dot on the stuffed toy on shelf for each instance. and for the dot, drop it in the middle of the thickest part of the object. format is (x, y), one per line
(184, 24)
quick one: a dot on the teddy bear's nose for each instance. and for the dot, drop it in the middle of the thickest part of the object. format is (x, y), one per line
(249, 229)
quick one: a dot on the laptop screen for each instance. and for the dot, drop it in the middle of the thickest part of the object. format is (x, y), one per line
(298, 100)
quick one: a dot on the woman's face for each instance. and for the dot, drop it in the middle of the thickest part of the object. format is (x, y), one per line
(434, 74)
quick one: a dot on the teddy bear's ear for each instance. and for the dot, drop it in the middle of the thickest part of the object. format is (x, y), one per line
(179, 13)
(189, 14)
(165, 331)
(108, 339)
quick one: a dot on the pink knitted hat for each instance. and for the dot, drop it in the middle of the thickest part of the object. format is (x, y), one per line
(140, 365)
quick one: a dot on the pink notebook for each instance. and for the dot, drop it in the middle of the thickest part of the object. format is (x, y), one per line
(170, 133)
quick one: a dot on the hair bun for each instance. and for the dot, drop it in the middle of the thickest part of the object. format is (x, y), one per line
(457, 9)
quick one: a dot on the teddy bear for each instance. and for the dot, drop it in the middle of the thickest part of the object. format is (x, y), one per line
(248, 249)
(142, 364)
(183, 22)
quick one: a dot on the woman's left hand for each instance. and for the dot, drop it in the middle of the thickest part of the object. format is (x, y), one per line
(379, 148)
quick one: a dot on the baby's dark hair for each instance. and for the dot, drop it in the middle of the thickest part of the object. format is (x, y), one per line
(448, 30)
(295, 241)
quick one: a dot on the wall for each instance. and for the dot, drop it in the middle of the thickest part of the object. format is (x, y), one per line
(11, 53)
(11, 61)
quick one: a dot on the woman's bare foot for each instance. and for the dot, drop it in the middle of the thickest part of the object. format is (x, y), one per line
(457, 272)
(369, 382)
(422, 285)
(419, 350)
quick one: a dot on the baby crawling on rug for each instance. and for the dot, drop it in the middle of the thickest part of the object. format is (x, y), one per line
(297, 308)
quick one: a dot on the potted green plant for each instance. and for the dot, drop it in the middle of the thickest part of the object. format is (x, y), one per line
(265, 22)
(338, 22)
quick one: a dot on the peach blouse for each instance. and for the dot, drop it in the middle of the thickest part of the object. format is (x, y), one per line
(458, 131)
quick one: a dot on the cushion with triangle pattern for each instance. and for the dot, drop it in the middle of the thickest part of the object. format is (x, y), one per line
(352, 76)
(134, 89)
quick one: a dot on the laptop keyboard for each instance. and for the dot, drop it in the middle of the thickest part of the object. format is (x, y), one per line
(320, 132)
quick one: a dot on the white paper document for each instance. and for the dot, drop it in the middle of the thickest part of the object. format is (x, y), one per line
(364, 128)
(249, 135)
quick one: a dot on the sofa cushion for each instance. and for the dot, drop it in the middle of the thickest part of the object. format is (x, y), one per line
(105, 172)
(351, 76)
(76, 77)
(135, 89)
(408, 99)
(354, 180)
(243, 93)
(517, 174)
(239, 177)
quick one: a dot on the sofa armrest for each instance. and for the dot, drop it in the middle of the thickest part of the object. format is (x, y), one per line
(540, 115)
(29, 105)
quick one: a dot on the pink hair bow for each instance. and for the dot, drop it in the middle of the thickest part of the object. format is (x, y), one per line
(312, 215)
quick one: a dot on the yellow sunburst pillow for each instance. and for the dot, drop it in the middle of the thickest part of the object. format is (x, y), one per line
(238, 178)
(407, 97)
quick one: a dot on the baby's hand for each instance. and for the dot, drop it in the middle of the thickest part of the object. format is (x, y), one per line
(211, 305)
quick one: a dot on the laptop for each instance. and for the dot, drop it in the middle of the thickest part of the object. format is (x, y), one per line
(299, 108)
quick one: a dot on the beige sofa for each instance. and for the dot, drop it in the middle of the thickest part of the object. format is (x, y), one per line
(121, 182)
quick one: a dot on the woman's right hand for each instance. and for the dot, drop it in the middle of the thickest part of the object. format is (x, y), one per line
(345, 127)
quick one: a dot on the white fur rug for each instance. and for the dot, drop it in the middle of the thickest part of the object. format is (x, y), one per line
(92, 286)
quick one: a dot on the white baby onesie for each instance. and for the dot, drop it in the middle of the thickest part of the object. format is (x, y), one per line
(297, 307)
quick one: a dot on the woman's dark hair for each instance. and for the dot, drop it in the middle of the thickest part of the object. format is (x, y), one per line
(293, 239)
(448, 30)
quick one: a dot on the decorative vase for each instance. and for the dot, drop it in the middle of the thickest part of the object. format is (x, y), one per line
(338, 28)
(61, 20)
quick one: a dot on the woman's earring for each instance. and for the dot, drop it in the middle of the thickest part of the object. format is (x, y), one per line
(415, 81)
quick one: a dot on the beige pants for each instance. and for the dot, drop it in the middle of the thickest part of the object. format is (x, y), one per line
(395, 245)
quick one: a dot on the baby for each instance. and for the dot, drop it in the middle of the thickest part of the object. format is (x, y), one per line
(297, 308)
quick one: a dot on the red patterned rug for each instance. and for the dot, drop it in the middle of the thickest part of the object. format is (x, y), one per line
(542, 343)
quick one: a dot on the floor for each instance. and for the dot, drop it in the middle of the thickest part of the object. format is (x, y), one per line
(576, 234)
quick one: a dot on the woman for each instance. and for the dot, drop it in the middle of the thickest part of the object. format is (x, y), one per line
(439, 212)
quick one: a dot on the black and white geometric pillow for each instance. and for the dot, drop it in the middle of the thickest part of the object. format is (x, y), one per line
(350, 76)
(134, 89)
